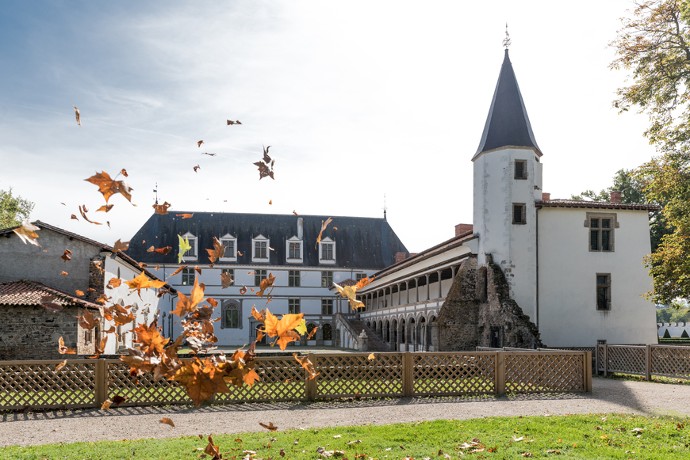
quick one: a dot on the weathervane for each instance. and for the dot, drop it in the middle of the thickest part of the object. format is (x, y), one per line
(506, 41)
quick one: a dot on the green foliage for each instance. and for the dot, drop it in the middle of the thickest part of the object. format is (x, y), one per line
(13, 209)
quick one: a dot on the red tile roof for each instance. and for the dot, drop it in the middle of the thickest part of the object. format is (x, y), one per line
(28, 293)
(596, 205)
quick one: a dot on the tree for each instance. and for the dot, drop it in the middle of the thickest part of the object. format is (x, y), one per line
(654, 45)
(13, 209)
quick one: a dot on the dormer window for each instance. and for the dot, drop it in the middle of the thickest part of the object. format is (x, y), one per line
(260, 246)
(229, 242)
(327, 251)
(294, 250)
(193, 252)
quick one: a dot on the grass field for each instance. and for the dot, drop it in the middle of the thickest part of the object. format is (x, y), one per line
(573, 436)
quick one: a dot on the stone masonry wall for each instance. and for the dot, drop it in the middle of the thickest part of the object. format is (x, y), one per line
(478, 311)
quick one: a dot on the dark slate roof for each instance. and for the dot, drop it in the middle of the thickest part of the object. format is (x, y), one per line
(597, 205)
(27, 293)
(361, 242)
(507, 124)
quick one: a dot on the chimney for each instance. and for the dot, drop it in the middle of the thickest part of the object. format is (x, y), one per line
(615, 196)
(400, 256)
(463, 229)
(545, 196)
(300, 227)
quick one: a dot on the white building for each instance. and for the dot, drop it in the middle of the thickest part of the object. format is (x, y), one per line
(574, 268)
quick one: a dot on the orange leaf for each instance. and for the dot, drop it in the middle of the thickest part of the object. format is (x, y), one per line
(185, 215)
(105, 208)
(363, 282)
(67, 255)
(265, 284)
(60, 365)
(371, 357)
(142, 281)
(168, 421)
(108, 187)
(189, 304)
(114, 283)
(150, 340)
(178, 270)
(120, 246)
(27, 233)
(251, 377)
(201, 379)
(257, 315)
(270, 426)
(63, 273)
(312, 333)
(164, 250)
(64, 350)
(87, 320)
(79, 293)
(83, 211)
(217, 252)
(307, 365)
(324, 224)
(161, 208)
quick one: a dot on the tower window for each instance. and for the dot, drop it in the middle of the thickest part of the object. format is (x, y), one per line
(519, 213)
(604, 291)
(520, 169)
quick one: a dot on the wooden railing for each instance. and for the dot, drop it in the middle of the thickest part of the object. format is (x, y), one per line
(646, 360)
(87, 383)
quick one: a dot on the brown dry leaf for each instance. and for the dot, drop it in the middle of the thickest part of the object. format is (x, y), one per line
(243, 290)
(87, 320)
(234, 122)
(106, 404)
(27, 233)
(226, 280)
(114, 283)
(177, 270)
(64, 350)
(324, 224)
(77, 115)
(117, 400)
(257, 315)
(265, 284)
(60, 365)
(161, 208)
(189, 304)
(48, 303)
(269, 426)
(79, 293)
(144, 282)
(167, 421)
(120, 246)
(67, 255)
(197, 168)
(185, 215)
(123, 171)
(83, 211)
(217, 252)
(164, 250)
(109, 187)
(307, 365)
(74, 217)
(150, 340)
(197, 269)
(100, 347)
(105, 208)
(201, 379)
(212, 450)
(102, 299)
(312, 333)
(240, 253)
(199, 142)
(63, 273)
(270, 202)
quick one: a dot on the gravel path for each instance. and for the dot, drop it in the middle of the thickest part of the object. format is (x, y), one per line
(608, 396)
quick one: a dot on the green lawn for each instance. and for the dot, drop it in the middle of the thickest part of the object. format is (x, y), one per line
(573, 436)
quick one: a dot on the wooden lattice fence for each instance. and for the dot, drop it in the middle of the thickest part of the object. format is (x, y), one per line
(35, 385)
(646, 360)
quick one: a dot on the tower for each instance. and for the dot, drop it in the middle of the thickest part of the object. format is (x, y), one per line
(507, 182)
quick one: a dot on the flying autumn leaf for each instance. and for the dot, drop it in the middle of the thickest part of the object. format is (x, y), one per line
(198, 143)
(114, 283)
(161, 208)
(312, 333)
(124, 172)
(164, 250)
(149, 339)
(265, 284)
(184, 247)
(202, 379)
(196, 168)
(77, 115)
(74, 217)
(243, 290)
(83, 211)
(350, 293)
(364, 282)
(295, 213)
(371, 357)
(141, 281)
(64, 350)
(120, 246)
(109, 187)
(217, 252)
(226, 280)
(67, 255)
(27, 233)
(287, 329)
(87, 320)
(234, 122)
(324, 224)
(167, 421)
(269, 426)
(63, 273)
(307, 365)
(79, 293)
(265, 165)
(209, 154)
(189, 304)
(60, 365)
(186, 215)
(49, 304)
(105, 208)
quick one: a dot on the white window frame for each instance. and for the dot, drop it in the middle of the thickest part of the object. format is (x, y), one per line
(261, 239)
(229, 257)
(324, 242)
(292, 260)
(194, 243)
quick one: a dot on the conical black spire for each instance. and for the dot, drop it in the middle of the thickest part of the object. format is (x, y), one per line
(507, 124)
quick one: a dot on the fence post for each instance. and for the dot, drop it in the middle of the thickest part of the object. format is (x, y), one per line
(101, 381)
(648, 363)
(588, 371)
(310, 387)
(606, 360)
(408, 373)
(500, 379)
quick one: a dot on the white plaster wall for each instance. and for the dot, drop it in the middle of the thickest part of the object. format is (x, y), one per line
(513, 246)
(567, 283)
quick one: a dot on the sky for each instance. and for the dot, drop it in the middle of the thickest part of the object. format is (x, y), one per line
(366, 105)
